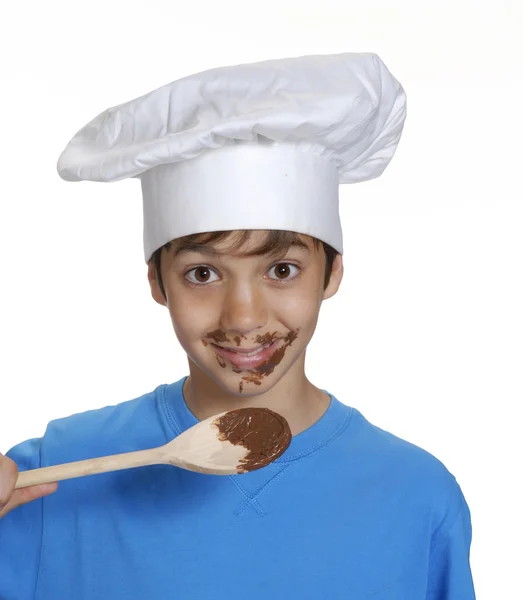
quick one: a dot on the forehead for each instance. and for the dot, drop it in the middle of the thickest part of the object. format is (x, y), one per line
(243, 243)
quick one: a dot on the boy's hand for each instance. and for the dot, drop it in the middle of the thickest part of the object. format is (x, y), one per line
(11, 498)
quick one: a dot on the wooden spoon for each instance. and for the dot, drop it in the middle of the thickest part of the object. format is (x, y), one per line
(230, 443)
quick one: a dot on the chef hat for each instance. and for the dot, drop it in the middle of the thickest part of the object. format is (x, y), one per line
(254, 146)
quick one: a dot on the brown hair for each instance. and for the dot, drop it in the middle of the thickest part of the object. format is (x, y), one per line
(276, 243)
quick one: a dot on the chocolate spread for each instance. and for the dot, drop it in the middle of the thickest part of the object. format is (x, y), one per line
(264, 433)
(256, 375)
(218, 336)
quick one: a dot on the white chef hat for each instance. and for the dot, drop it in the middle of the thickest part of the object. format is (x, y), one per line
(254, 146)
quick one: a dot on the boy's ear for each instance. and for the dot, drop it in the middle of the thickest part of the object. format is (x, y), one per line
(156, 292)
(336, 277)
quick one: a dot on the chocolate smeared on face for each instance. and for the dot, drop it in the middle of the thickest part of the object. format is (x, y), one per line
(255, 376)
(264, 433)
(218, 336)
(238, 339)
(268, 338)
(258, 373)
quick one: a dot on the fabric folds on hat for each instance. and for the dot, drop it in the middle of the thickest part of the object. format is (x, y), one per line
(253, 146)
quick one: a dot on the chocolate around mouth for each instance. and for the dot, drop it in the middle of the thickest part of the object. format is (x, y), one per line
(266, 368)
(264, 433)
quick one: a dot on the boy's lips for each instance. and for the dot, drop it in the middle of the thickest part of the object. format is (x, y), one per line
(238, 357)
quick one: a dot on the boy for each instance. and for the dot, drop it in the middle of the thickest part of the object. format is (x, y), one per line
(240, 168)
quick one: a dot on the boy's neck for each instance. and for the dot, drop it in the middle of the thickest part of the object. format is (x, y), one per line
(294, 397)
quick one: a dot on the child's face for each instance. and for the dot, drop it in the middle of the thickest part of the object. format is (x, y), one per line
(237, 302)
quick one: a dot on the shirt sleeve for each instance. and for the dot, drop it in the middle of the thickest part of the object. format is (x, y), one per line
(21, 534)
(450, 576)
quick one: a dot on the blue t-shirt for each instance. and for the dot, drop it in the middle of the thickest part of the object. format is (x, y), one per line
(350, 511)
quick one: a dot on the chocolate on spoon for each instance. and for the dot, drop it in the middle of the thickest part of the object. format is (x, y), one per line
(230, 443)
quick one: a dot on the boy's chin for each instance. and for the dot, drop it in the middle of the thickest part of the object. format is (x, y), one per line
(245, 383)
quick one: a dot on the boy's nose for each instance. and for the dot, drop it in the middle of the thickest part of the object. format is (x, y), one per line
(244, 310)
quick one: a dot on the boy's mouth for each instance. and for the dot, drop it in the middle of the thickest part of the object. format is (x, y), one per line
(247, 357)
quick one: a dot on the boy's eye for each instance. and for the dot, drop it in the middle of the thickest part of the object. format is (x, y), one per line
(202, 275)
(282, 270)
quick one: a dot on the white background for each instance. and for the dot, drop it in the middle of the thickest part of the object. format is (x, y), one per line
(425, 334)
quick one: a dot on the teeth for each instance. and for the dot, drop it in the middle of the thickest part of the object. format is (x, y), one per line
(254, 352)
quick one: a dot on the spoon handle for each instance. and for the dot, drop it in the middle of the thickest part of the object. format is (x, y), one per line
(116, 462)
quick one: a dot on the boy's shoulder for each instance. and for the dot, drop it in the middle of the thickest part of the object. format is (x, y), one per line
(110, 416)
(131, 425)
(418, 479)
(390, 458)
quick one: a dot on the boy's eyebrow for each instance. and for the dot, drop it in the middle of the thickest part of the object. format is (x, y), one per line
(202, 249)
(210, 251)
